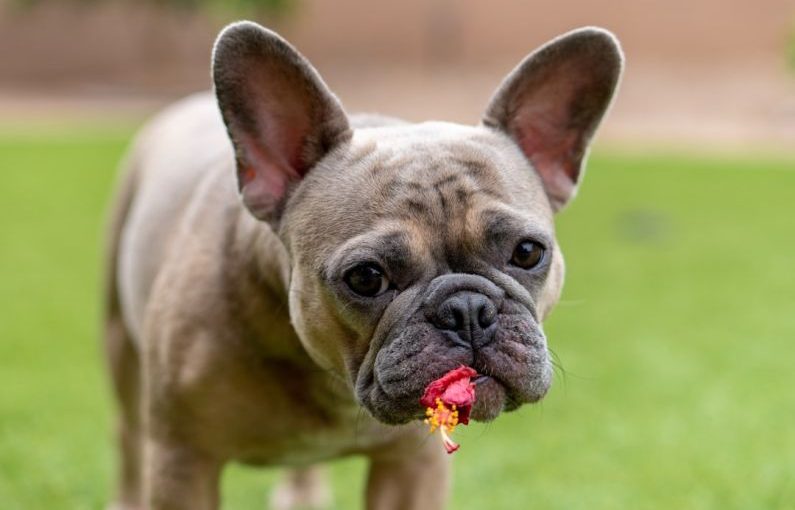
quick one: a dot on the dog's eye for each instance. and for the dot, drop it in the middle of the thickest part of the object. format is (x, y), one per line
(527, 254)
(367, 280)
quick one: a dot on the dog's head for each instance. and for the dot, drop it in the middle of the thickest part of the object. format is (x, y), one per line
(416, 248)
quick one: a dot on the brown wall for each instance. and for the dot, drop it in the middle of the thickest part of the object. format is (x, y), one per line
(118, 45)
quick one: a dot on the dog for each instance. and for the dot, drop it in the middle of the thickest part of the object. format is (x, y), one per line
(285, 298)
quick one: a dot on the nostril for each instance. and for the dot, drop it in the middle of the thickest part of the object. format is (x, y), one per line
(452, 315)
(460, 317)
(487, 315)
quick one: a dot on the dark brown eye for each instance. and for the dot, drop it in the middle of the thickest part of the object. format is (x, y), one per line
(527, 254)
(367, 280)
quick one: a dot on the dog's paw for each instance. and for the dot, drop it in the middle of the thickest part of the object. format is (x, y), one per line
(302, 489)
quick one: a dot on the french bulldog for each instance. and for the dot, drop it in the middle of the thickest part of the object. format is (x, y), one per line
(285, 298)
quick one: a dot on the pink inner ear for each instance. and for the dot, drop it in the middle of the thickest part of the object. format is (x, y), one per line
(553, 102)
(547, 129)
(279, 114)
(283, 127)
(272, 155)
(266, 174)
(552, 149)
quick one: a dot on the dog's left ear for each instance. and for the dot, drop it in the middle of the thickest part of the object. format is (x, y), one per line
(553, 101)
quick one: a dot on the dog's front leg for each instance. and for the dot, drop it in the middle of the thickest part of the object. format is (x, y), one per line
(178, 477)
(416, 478)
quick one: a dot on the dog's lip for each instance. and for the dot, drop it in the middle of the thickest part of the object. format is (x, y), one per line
(480, 379)
(490, 398)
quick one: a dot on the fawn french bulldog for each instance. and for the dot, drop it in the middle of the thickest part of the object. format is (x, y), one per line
(285, 298)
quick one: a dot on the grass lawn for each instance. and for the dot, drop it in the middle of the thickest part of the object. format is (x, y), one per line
(676, 331)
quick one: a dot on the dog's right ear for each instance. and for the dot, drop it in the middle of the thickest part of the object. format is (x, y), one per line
(281, 117)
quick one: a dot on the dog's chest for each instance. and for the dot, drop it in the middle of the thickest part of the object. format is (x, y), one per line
(307, 427)
(274, 413)
(307, 446)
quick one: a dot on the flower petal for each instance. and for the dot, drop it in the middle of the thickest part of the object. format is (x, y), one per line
(437, 388)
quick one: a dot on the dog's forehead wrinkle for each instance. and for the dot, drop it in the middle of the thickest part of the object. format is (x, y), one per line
(416, 158)
(388, 239)
(437, 179)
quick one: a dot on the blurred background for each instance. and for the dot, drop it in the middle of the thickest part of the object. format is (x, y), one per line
(674, 337)
(708, 72)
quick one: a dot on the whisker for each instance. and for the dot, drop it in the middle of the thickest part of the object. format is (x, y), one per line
(558, 367)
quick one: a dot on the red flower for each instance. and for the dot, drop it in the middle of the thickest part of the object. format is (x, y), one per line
(449, 401)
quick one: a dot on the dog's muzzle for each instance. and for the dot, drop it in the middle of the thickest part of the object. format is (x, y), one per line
(464, 308)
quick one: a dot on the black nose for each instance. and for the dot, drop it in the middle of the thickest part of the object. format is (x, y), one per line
(470, 316)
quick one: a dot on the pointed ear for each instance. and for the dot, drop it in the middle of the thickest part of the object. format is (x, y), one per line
(281, 117)
(553, 101)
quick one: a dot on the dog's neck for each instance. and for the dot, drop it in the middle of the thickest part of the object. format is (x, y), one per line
(259, 287)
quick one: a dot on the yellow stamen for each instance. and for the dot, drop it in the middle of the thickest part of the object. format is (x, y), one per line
(445, 419)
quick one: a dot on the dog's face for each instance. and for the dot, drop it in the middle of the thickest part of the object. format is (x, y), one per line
(417, 248)
(437, 251)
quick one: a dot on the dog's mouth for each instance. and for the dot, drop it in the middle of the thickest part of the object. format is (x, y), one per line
(480, 379)
(512, 370)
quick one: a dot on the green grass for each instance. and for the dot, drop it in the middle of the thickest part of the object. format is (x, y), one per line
(676, 331)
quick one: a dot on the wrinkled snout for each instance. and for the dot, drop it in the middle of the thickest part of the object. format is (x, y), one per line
(463, 319)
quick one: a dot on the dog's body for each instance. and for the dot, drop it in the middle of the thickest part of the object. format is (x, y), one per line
(302, 322)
